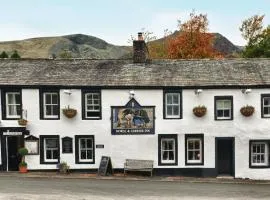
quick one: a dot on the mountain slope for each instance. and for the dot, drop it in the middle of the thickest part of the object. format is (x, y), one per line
(78, 46)
(85, 46)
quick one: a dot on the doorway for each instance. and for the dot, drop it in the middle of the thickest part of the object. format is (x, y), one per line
(225, 156)
(13, 158)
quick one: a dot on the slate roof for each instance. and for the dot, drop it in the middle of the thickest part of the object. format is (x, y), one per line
(123, 73)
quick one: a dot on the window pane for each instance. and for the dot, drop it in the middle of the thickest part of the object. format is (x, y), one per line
(175, 110)
(55, 154)
(190, 155)
(219, 113)
(96, 107)
(89, 154)
(197, 155)
(47, 98)
(226, 113)
(227, 104)
(54, 98)
(10, 99)
(51, 143)
(170, 145)
(219, 104)
(165, 155)
(190, 144)
(83, 154)
(96, 101)
(175, 99)
(89, 143)
(197, 144)
(48, 110)
(82, 143)
(96, 96)
(169, 110)
(55, 110)
(266, 110)
(48, 154)
(169, 99)
(266, 101)
(171, 155)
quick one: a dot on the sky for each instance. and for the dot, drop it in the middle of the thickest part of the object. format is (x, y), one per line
(116, 20)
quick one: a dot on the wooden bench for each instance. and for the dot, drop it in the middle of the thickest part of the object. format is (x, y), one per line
(138, 165)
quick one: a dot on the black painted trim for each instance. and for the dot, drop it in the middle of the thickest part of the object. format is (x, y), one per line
(70, 139)
(199, 136)
(167, 136)
(85, 91)
(215, 107)
(263, 96)
(77, 137)
(259, 167)
(3, 100)
(41, 140)
(171, 90)
(233, 153)
(41, 102)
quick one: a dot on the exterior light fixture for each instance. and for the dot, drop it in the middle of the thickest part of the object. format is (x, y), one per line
(69, 92)
(246, 91)
(131, 94)
(198, 91)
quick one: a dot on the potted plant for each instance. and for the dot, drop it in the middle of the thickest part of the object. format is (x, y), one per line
(69, 112)
(247, 110)
(199, 111)
(23, 165)
(63, 168)
(22, 122)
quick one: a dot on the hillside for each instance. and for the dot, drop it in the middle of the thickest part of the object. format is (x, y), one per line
(78, 45)
(85, 46)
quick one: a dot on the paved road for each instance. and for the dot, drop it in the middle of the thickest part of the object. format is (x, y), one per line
(19, 188)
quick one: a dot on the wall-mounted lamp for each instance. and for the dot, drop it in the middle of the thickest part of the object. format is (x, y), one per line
(198, 91)
(131, 94)
(69, 92)
(246, 91)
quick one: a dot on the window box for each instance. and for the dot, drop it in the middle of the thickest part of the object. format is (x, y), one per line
(199, 111)
(247, 110)
(69, 112)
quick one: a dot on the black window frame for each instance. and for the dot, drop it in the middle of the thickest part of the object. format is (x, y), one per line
(3, 100)
(259, 166)
(215, 107)
(84, 92)
(262, 97)
(41, 103)
(77, 160)
(196, 136)
(178, 91)
(41, 145)
(167, 136)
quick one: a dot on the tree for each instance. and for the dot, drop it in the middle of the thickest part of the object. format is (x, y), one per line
(258, 38)
(65, 54)
(3, 55)
(193, 40)
(15, 55)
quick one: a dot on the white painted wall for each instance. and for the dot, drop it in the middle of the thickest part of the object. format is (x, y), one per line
(120, 147)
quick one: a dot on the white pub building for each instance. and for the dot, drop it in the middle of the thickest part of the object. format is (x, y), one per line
(191, 117)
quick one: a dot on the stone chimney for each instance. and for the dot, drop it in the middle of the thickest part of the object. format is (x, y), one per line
(140, 52)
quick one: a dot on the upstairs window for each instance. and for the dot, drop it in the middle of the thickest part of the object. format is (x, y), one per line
(172, 105)
(50, 105)
(12, 104)
(223, 107)
(91, 104)
(265, 104)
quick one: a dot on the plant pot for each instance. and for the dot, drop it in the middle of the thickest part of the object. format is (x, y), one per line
(23, 169)
(22, 122)
(247, 110)
(69, 112)
(199, 111)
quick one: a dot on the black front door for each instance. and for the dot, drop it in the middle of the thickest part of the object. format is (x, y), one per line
(224, 156)
(13, 157)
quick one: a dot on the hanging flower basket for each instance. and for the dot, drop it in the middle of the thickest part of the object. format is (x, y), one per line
(22, 122)
(247, 110)
(199, 111)
(69, 112)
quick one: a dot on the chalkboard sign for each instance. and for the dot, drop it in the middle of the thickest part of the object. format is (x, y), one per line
(105, 166)
(67, 145)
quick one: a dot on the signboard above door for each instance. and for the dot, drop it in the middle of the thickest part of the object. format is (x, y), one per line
(133, 119)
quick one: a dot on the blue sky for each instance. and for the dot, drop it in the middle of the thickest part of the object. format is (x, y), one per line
(115, 20)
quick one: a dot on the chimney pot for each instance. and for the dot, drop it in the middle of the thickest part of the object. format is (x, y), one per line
(140, 36)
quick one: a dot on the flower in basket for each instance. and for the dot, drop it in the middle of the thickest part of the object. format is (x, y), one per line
(199, 111)
(247, 110)
(22, 122)
(69, 112)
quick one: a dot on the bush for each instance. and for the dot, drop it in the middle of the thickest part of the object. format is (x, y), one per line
(15, 55)
(3, 55)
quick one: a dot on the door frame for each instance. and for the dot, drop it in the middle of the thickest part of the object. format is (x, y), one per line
(233, 153)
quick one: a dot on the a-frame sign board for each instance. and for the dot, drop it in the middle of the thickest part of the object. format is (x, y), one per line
(105, 166)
